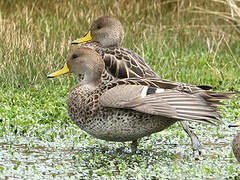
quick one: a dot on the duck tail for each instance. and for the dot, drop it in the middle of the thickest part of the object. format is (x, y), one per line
(214, 99)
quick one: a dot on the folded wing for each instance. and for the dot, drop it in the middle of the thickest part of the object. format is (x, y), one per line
(163, 102)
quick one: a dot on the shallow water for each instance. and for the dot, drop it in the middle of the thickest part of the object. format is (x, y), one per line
(158, 157)
(28, 157)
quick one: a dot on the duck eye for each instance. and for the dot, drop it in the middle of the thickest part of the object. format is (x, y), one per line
(98, 27)
(74, 56)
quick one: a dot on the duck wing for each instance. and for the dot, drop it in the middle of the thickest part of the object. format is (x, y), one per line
(170, 102)
(124, 63)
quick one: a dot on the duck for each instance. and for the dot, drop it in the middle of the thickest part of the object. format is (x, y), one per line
(105, 37)
(130, 108)
(236, 142)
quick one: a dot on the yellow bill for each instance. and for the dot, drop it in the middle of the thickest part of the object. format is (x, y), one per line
(63, 70)
(85, 38)
(237, 124)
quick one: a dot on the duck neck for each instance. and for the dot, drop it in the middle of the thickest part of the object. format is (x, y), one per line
(91, 79)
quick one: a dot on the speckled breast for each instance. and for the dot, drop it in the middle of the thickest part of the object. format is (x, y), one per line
(236, 147)
(111, 124)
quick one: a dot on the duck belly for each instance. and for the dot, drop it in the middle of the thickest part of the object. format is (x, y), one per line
(121, 125)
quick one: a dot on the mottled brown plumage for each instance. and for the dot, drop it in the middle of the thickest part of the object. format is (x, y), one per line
(236, 147)
(236, 142)
(105, 37)
(107, 34)
(131, 108)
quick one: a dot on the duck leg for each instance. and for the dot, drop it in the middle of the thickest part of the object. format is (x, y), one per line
(196, 145)
(134, 145)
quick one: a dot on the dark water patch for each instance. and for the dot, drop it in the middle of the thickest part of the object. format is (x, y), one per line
(216, 145)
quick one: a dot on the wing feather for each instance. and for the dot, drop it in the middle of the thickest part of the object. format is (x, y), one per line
(169, 103)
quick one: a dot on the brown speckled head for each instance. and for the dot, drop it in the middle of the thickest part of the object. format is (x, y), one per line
(108, 31)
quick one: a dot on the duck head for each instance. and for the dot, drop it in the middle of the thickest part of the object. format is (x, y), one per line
(106, 30)
(83, 61)
(237, 124)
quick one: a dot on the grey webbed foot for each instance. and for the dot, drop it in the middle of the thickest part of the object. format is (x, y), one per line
(134, 145)
(196, 145)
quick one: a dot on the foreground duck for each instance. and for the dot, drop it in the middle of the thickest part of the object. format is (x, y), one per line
(105, 37)
(236, 143)
(129, 109)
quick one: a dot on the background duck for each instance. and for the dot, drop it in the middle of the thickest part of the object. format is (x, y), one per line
(105, 37)
(131, 108)
(236, 142)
